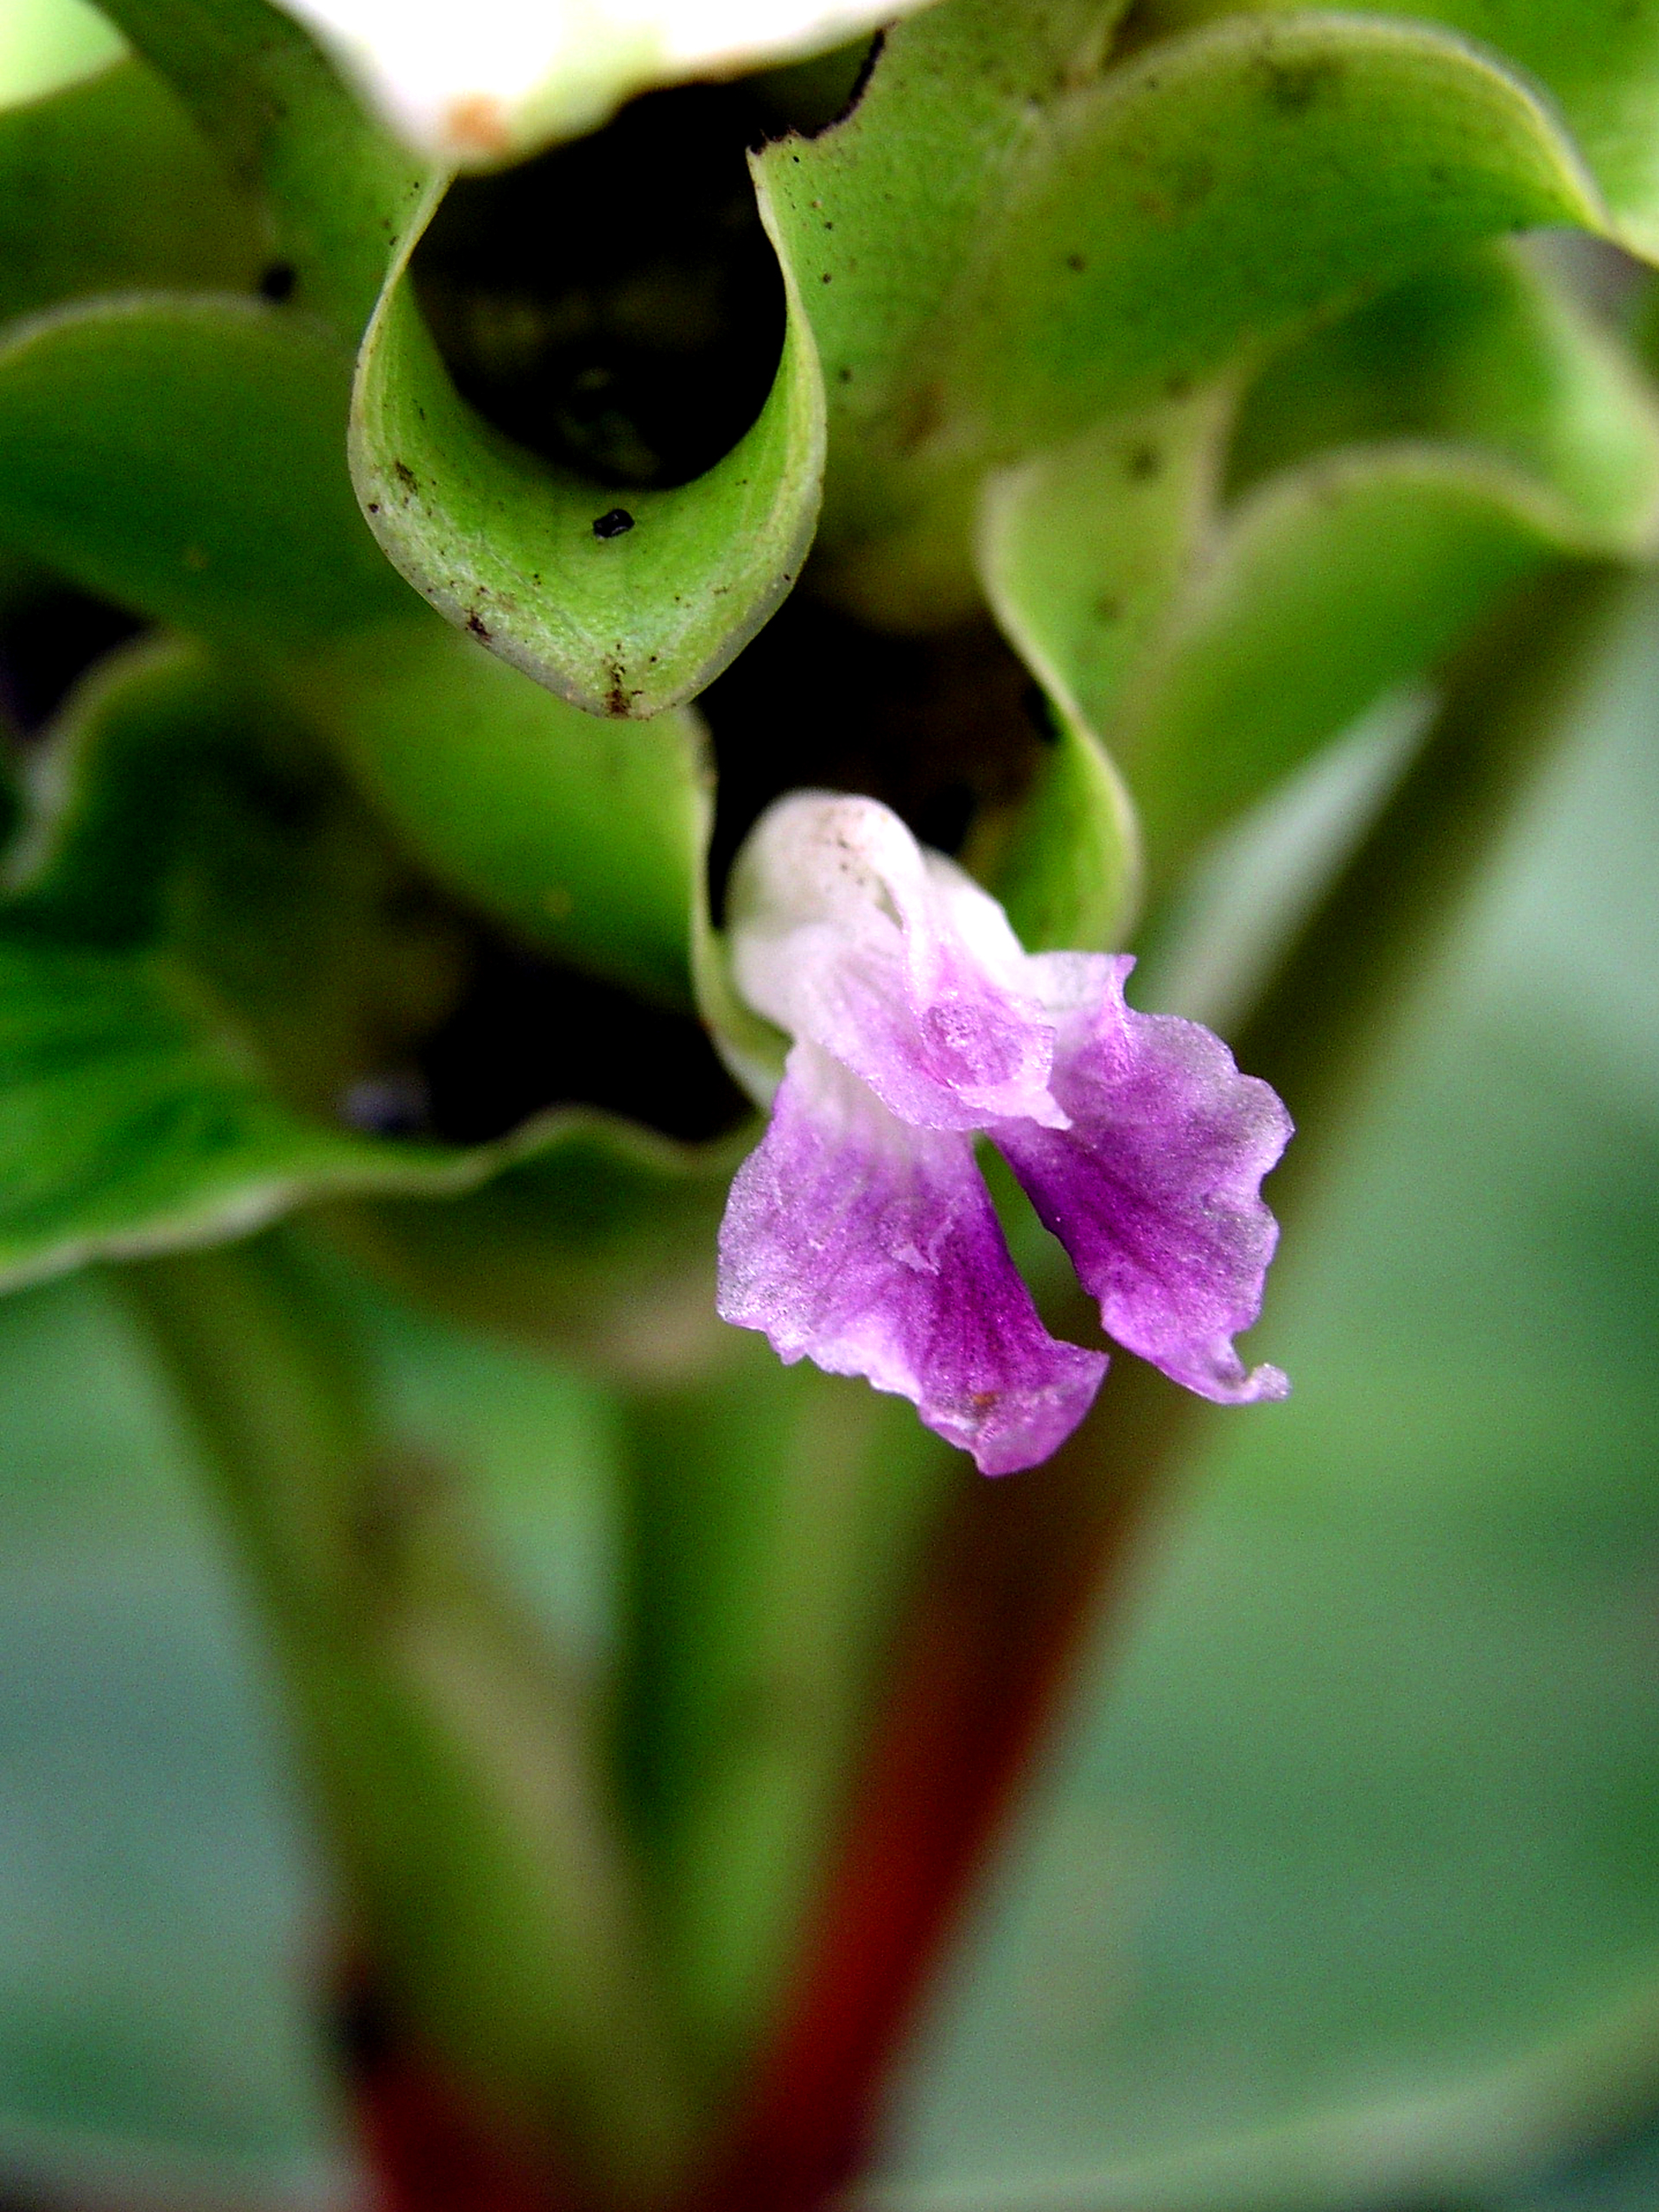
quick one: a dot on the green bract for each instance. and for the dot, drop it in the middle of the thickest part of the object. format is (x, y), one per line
(624, 621)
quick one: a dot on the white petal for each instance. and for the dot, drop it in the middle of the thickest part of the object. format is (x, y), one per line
(844, 933)
(475, 82)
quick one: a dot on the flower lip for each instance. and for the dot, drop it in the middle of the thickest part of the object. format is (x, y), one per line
(861, 1234)
(892, 961)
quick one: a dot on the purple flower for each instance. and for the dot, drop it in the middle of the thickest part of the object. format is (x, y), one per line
(860, 1234)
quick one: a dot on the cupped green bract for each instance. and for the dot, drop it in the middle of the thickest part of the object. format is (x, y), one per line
(625, 619)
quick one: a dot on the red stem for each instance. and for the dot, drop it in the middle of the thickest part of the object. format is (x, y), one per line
(428, 2148)
(1009, 1594)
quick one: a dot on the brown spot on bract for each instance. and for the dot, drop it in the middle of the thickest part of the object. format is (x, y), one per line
(477, 625)
(478, 124)
(405, 476)
(1294, 86)
(922, 417)
(1143, 463)
(1075, 261)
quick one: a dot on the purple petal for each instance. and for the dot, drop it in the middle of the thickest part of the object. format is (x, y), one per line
(845, 933)
(1154, 1190)
(873, 1249)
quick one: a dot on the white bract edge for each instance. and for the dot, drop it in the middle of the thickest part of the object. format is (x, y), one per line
(474, 83)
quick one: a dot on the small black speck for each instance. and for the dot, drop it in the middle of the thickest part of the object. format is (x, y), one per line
(846, 376)
(374, 506)
(406, 475)
(476, 625)
(615, 522)
(1077, 261)
(826, 276)
(278, 281)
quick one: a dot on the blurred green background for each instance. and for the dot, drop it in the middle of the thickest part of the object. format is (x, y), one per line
(1344, 1891)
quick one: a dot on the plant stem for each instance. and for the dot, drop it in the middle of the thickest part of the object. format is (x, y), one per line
(508, 1971)
(1013, 1588)
(772, 1511)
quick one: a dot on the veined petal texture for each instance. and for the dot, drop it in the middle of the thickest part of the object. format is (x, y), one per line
(1154, 1190)
(873, 1248)
(892, 960)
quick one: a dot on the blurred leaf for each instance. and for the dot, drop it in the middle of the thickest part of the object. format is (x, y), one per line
(131, 1122)
(337, 190)
(222, 505)
(602, 1244)
(1083, 547)
(1487, 352)
(1067, 862)
(587, 834)
(209, 942)
(178, 808)
(1401, 469)
(1325, 588)
(45, 45)
(185, 458)
(624, 610)
(106, 187)
(1597, 59)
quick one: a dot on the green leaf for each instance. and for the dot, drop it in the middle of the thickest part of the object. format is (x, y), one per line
(1081, 547)
(623, 622)
(878, 216)
(128, 1124)
(45, 45)
(179, 812)
(1486, 351)
(223, 506)
(1066, 863)
(208, 941)
(104, 186)
(997, 251)
(601, 1244)
(1200, 202)
(1597, 59)
(185, 458)
(1401, 469)
(1329, 586)
(585, 835)
(337, 190)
